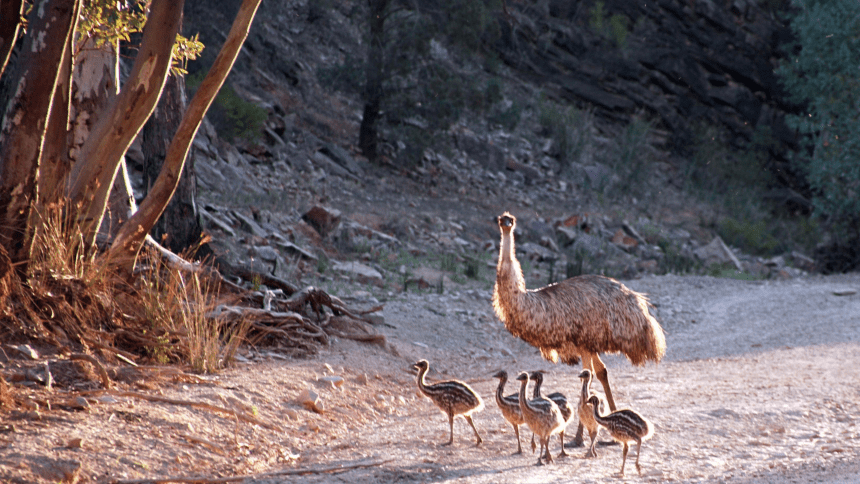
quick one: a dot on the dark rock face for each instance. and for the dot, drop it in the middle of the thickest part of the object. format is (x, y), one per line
(680, 60)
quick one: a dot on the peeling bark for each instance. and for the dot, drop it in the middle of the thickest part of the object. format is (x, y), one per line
(25, 122)
(92, 176)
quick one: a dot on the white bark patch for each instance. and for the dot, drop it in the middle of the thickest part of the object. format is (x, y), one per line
(92, 68)
(146, 72)
(8, 121)
(39, 42)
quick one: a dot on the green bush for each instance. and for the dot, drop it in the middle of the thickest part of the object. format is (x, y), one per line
(570, 129)
(754, 237)
(823, 75)
(347, 76)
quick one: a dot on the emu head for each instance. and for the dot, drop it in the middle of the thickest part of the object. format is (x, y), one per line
(523, 376)
(421, 365)
(501, 375)
(507, 222)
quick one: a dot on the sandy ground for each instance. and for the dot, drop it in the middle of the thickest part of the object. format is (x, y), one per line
(760, 384)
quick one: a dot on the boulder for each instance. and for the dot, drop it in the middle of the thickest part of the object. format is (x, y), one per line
(361, 272)
(717, 252)
(323, 219)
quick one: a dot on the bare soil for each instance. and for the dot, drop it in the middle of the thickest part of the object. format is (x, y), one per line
(761, 383)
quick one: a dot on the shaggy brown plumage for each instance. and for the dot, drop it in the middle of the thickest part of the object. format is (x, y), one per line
(580, 317)
(453, 398)
(510, 407)
(542, 416)
(625, 426)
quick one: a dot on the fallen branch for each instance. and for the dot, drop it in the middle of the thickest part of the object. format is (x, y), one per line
(201, 405)
(219, 480)
(103, 374)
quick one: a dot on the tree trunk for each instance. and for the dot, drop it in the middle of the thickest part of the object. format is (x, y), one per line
(368, 136)
(26, 122)
(11, 12)
(132, 235)
(179, 227)
(93, 175)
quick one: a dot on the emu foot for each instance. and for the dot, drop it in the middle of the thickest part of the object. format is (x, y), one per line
(575, 443)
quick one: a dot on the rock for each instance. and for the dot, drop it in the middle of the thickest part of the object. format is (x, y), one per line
(216, 221)
(323, 219)
(76, 443)
(802, 262)
(310, 400)
(717, 252)
(624, 241)
(565, 235)
(485, 152)
(334, 380)
(363, 273)
(264, 252)
(530, 174)
(844, 292)
(295, 249)
(25, 350)
(323, 161)
(342, 158)
(537, 252)
(248, 224)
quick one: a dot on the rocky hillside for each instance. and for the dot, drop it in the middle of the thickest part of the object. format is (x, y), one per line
(299, 201)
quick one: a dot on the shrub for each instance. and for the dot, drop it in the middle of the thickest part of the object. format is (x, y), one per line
(570, 129)
(823, 76)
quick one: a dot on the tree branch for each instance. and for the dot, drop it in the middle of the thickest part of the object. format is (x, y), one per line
(131, 235)
(92, 176)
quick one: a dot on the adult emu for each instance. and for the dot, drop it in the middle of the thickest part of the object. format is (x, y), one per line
(579, 317)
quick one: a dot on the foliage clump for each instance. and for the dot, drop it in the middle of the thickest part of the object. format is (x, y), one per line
(822, 76)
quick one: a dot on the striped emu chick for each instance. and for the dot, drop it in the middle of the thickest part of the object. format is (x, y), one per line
(453, 398)
(560, 400)
(579, 317)
(586, 415)
(510, 407)
(625, 426)
(542, 416)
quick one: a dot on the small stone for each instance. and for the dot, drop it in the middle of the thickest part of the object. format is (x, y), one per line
(334, 380)
(292, 414)
(844, 292)
(310, 400)
(362, 379)
(76, 443)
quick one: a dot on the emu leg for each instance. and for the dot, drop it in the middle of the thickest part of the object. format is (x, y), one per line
(638, 451)
(561, 440)
(533, 443)
(591, 451)
(547, 455)
(577, 439)
(540, 454)
(451, 424)
(478, 437)
(624, 458)
(519, 447)
(603, 375)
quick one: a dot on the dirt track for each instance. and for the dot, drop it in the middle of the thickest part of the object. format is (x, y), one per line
(761, 383)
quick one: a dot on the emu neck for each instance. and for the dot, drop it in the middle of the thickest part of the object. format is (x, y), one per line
(500, 391)
(421, 384)
(524, 402)
(538, 383)
(509, 274)
(586, 386)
